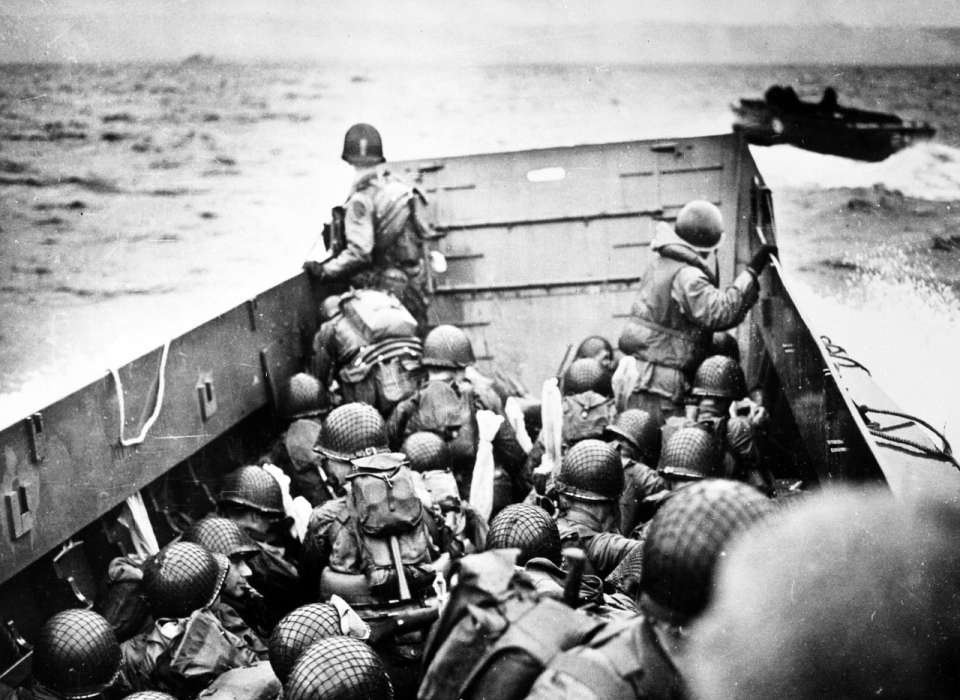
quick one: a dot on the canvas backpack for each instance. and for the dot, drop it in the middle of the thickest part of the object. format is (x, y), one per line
(377, 315)
(384, 504)
(496, 633)
(448, 412)
(585, 415)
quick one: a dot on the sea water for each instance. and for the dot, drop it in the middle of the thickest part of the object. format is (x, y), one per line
(137, 200)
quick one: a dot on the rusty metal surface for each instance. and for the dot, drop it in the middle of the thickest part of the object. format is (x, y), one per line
(84, 472)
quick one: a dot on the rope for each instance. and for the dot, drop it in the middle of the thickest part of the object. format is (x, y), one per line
(158, 404)
(944, 454)
(841, 356)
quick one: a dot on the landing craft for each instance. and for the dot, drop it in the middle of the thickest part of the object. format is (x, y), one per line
(544, 247)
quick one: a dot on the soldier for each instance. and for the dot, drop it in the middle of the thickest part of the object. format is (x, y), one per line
(678, 308)
(383, 233)
(237, 597)
(690, 454)
(253, 499)
(640, 658)
(638, 438)
(718, 383)
(76, 656)
(850, 594)
(588, 490)
(338, 667)
(181, 583)
(447, 405)
(369, 346)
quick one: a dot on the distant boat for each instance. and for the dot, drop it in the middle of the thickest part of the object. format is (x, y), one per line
(824, 126)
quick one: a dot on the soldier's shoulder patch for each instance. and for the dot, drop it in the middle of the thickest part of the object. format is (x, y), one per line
(358, 208)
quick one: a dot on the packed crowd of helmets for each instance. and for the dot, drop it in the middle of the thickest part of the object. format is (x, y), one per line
(422, 529)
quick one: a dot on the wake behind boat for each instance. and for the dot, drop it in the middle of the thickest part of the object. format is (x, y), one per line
(825, 126)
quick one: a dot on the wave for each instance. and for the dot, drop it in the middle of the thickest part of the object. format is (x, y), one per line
(929, 170)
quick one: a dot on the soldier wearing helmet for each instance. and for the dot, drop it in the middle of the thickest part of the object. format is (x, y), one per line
(306, 625)
(689, 454)
(678, 307)
(338, 667)
(447, 405)
(76, 656)
(642, 657)
(588, 490)
(718, 385)
(384, 233)
(638, 437)
(253, 499)
(182, 584)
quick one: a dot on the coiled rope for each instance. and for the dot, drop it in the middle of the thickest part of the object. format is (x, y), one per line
(841, 356)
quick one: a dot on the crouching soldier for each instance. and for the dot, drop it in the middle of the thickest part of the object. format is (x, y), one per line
(638, 437)
(187, 647)
(76, 656)
(374, 547)
(588, 491)
(641, 657)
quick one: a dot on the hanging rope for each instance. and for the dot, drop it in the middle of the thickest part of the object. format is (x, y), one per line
(944, 453)
(158, 404)
(841, 356)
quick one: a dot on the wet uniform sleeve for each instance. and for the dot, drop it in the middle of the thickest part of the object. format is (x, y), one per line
(359, 235)
(508, 454)
(317, 542)
(323, 353)
(711, 308)
(397, 422)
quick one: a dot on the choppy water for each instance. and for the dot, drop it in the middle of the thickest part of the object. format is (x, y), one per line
(137, 200)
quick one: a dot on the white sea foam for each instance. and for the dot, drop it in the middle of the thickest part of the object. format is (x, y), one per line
(927, 170)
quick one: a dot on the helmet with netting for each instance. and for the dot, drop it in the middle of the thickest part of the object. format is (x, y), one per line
(720, 375)
(301, 396)
(528, 528)
(338, 668)
(77, 654)
(690, 453)
(594, 345)
(639, 429)
(426, 451)
(591, 471)
(700, 224)
(362, 145)
(149, 695)
(447, 347)
(180, 578)
(627, 576)
(585, 374)
(221, 536)
(353, 430)
(687, 537)
(724, 343)
(252, 487)
(298, 630)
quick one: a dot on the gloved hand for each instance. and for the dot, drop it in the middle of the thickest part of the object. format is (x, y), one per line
(315, 269)
(762, 258)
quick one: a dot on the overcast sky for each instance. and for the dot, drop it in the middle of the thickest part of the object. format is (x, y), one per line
(89, 30)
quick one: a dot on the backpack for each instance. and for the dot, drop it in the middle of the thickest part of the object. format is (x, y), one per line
(448, 412)
(377, 315)
(385, 505)
(585, 415)
(496, 633)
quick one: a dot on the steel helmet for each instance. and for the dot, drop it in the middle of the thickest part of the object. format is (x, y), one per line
(628, 574)
(149, 695)
(426, 451)
(77, 654)
(298, 630)
(528, 528)
(852, 583)
(591, 471)
(593, 345)
(221, 536)
(362, 146)
(252, 487)
(585, 374)
(330, 307)
(447, 347)
(338, 668)
(351, 431)
(700, 224)
(686, 538)
(690, 453)
(720, 376)
(182, 577)
(301, 396)
(639, 429)
(723, 343)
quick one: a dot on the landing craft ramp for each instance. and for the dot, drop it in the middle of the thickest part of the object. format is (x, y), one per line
(544, 248)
